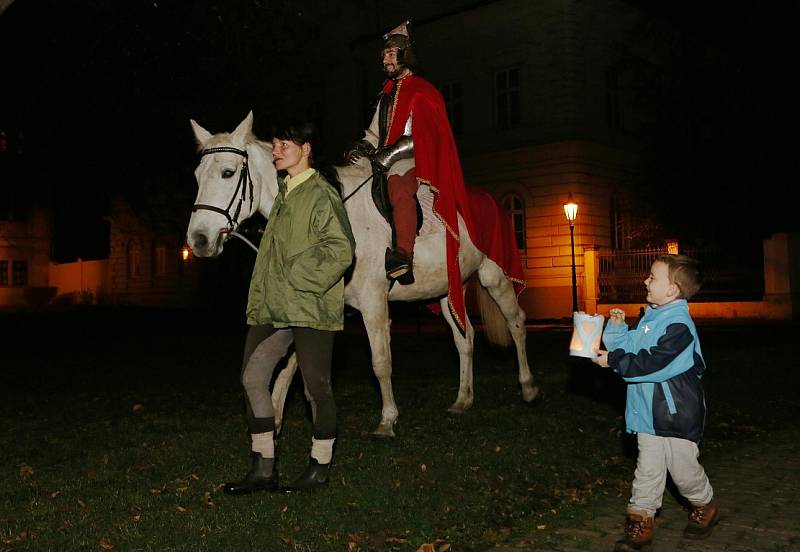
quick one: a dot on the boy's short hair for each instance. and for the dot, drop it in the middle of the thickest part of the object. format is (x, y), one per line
(684, 272)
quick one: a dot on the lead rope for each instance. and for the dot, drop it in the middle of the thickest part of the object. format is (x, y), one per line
(245, 240)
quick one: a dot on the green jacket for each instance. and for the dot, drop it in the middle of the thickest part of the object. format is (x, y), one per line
(306, 248)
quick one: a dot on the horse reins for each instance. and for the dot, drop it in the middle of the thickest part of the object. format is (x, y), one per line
(244, 182)
(351, 194)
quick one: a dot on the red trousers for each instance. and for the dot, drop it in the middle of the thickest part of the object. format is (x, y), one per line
(402, 196)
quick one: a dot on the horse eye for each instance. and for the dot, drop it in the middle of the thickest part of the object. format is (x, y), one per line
(227, 173)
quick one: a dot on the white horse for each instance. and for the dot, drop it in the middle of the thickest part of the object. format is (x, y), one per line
(240, 157)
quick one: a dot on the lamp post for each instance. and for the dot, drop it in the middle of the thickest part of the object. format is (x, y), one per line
(571, 211)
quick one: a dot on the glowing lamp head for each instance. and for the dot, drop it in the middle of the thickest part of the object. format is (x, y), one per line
(571, 210)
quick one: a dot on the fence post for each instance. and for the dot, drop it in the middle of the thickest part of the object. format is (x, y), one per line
(590, 275)
(781, 254)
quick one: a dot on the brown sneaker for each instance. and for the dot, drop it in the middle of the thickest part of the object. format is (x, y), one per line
(638, 534)
(702, 520)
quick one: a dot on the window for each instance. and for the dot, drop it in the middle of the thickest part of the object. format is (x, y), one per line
(619, 221)
(506, 94)
(161, 260)
(134, 260)
(515, 207)
(451, 92)
(3, 273)
(19, 273)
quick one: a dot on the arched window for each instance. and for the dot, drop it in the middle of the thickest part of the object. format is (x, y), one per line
(159, 263)
(515, 207)
(134, 259)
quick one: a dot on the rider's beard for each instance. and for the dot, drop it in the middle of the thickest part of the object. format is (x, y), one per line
(393, 71)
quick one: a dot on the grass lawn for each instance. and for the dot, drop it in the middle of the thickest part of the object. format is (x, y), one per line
(119, 427)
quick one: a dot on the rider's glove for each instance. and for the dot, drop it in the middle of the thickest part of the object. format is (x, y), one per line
(358, 150)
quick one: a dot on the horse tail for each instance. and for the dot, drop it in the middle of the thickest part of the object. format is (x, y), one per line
(494, 323)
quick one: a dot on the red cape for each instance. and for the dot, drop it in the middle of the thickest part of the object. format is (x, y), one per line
(438, 166)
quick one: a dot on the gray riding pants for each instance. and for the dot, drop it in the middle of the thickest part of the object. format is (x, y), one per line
(264, 347)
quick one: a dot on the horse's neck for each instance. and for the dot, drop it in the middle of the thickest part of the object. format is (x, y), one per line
(265, 175)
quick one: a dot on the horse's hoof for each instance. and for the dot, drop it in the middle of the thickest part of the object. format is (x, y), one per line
(458, 408)
(383, 431)
(531, 394)
(536, 399)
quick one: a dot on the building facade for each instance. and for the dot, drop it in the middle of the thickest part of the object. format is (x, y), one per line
(540, 109)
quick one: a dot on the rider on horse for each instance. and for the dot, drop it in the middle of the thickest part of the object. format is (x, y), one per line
(411, 143)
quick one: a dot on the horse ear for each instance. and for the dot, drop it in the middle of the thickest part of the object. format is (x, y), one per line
(244, 131)
(201, 135)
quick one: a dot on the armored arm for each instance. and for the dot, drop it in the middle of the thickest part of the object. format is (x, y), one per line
(358, 150)
(387, 156)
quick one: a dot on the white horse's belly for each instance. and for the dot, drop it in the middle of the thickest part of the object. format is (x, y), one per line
(430, 266)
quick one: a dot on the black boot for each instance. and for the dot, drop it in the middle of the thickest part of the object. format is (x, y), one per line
(316, 475)
(399, 266)
(263, 476)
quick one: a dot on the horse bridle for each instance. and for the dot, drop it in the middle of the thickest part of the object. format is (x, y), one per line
(244, 182)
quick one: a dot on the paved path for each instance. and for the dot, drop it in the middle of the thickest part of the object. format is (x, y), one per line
(757, 488)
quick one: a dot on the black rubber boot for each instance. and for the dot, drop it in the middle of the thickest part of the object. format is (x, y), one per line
(263, 476)
(315, 476)
(399, 266)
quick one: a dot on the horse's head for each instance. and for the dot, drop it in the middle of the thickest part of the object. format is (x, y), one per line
(235, 178)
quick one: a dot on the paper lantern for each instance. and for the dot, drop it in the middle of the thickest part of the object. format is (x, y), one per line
(586, 334)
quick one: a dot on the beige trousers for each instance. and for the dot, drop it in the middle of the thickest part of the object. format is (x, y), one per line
(659, 455)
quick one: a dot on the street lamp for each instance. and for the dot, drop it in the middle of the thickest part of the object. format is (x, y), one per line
(571, 211)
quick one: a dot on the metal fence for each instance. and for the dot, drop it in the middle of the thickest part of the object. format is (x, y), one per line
(735, 274)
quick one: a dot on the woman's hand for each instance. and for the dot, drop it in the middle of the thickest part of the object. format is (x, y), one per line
(617, 316)
(601, 359)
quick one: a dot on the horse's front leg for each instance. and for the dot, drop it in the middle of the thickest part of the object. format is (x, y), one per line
(464, 345)
(376, 320)
(281, 388)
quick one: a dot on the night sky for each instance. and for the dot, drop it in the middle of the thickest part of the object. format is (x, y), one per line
(103, 92)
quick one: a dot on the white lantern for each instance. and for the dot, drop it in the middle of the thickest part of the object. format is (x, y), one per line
(586, 334)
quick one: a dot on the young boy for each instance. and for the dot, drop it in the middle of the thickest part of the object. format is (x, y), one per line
(662, 363)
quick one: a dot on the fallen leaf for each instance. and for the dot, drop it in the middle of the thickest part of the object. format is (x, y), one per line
(182, 490)
(105, 544)
(104, 459)
(497, 448)
(443, 548)
(400, 540)
(540, 527)
(25, 471)
(137, 407)
(82, 503)
(55, 494)
(181, 509)
(137, 517)
(427, 547)
(23, 536)
(423, 468)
